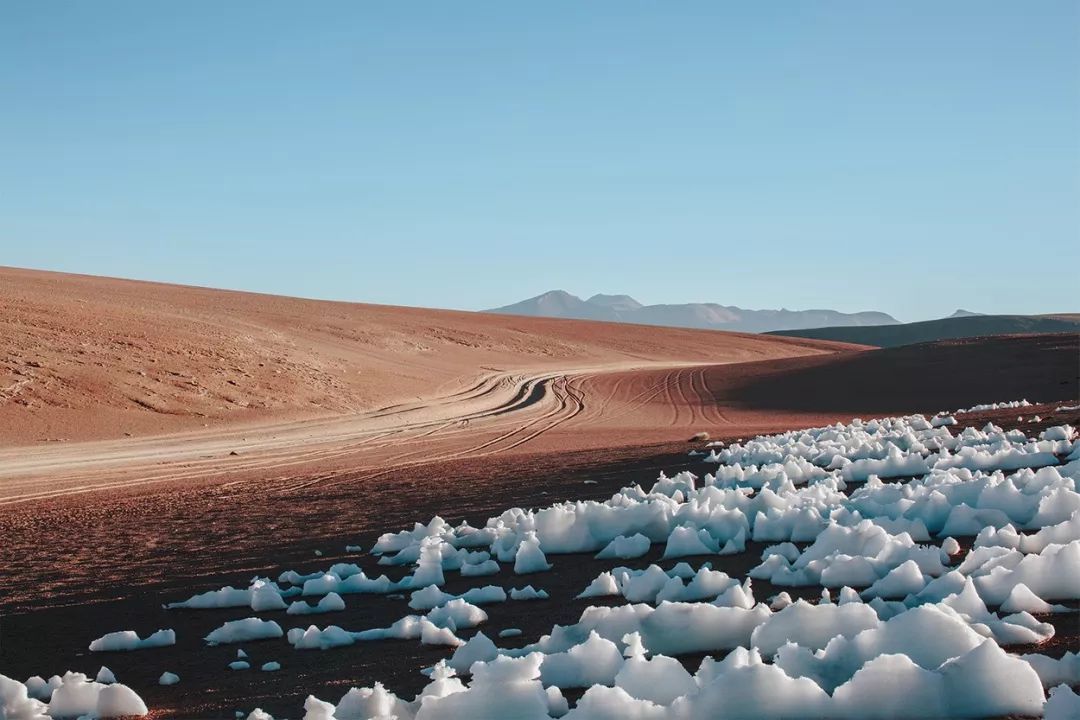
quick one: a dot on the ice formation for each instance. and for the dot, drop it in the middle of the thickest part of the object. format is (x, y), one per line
(916, 627)
(625, 548)
(995, 406)
(251, 628)
(331, 602)
(873, 514)
(528, 593)
(260, 596)
(73, 695)
(1063, 704)
(125, 640)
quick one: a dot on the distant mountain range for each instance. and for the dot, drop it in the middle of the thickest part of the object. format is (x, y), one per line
(709, 316)
(960, 324)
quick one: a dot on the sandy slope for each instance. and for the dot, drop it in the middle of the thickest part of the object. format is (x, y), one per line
(157, 383)
(168, 381)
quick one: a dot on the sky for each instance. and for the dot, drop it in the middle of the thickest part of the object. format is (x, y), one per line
(909, 157)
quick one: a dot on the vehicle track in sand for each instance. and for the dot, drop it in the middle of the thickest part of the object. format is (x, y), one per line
(117, 384)
(500, 412)
(683, 401)
(569, 401)
(709, 401)
(492, 413)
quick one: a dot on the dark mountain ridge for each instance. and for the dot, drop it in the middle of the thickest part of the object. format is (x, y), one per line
(710, 316)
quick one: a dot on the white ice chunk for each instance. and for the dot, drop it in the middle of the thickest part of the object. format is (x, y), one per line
(124, 640)
(244, 630)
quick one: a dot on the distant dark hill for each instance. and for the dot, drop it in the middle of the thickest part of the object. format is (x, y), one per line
(913, 378)
(946, 329)
(561, 304)
(706, 316)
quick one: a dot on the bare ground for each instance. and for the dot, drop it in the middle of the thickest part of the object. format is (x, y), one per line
(378, 417)
(91, 358)
(170, 545)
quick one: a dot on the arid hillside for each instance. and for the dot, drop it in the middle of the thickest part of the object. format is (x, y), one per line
(86, 358)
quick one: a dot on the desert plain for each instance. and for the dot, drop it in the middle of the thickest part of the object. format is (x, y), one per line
(159, 441)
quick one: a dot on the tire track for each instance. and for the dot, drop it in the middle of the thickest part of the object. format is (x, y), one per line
(498, 413)
(536, 393)
(651, 392)
(680, 389)
(610, 395)
(669, 393)
(697, 385)
(571, 402)
(574, 401)
(721, 418)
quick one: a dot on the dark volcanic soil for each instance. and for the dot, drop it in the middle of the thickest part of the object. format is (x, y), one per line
(111, 565)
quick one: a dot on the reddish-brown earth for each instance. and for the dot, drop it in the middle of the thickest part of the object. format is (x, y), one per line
(376, 418)
(113, 383)
(110, 564)
(90, 358)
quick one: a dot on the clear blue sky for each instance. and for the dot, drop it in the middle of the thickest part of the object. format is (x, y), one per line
(909, 157)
